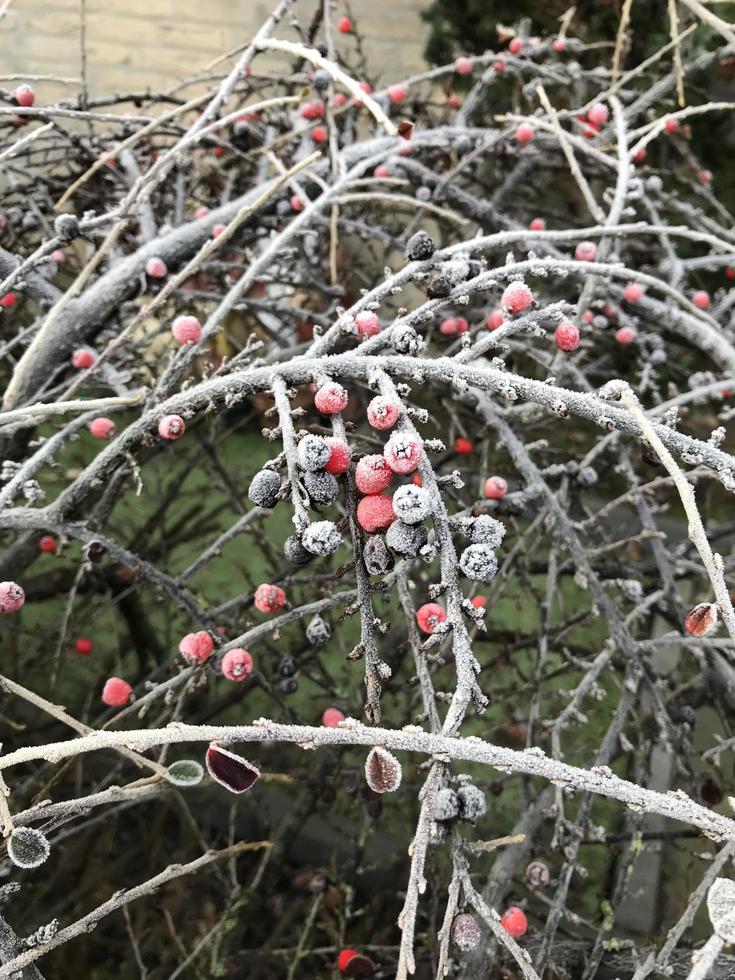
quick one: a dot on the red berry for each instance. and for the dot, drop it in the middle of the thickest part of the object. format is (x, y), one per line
(156, 268)
(479, 601)
(319, 134)
(331, 398)
(58, 256)
(516, 298)
(375, 513)
(339, 100)
(633, 292)
(8, 301)
(217, 230)
(701, 299)
(381, 171)
(382, 413)
(171, 427)
(84, 646)
(83, 358)
(588, 316)
(116, 693)
(495, 320)
(397, 94)
(429, 616)
(566, 336)
(514, 921)
(538, 224)
(463, 447)
(339, 461)
(453, 325)
(495, 488)
(269, 598)
(25, 96)
(12, 597)
(367, 89)
(499, 67)
(312, 110)
(197, 648)
(102, 428)
(47, 544)
(416, 480)
(625, 335)
(559, 45)
(402, 453)
(672, 126)
(332, 717)
(237, 664)
(585, 252)
(373, 474)
(524, 133)
(730, 272)
(345, 26)
(367, 324)
(640, 155)
(201, 212)
(297, 204)
(598, 114)
(187, 329)
(704, 176)
(463, 66)
(516, 45)
(454, 102)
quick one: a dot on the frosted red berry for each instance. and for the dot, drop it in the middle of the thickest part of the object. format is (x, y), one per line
(516, 45)
(197, 648)
(83, 358)
(237, 664)
(187, 329)
(701, 299)
(345, 25)
(559, 45)
(514, 921)
(84, 646)
(297, 204)
(217, 230)
(463, 66)
(24, 96)
(524, 133)
(58, 256)
(516, 298)
(625, 335)
(598, 114)
(640, 155)
(454, 102)
(453, 325)
(116, 693)
(429, 616)
(585, 252)
(479, 601)
(367, 324)
(8, 301)
(201, 212)
(156, 268)
(402, 452)
(566, 336)
(538, 224)
(339, 460)
(47, 544)
(12, 597)
(495, 320)
(171, 427)
(381, 171)
(102, 428)
(382, 413)
(312, 110)
(331, 398)
(704, 176)
(588, 316)
(463, 447)
(319, 134)
(633, 292)
(373, 474)
(269, 598)
(397, 94)
(495, 488)
(375, 513)
(339, 100)
(672, 125)
(332, 717)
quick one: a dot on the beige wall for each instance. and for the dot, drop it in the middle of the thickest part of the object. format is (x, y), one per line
(133, 44)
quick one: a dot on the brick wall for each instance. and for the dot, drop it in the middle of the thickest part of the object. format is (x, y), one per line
(133, 44)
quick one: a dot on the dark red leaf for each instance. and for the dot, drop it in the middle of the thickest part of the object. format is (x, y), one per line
(358, 966)
(232, 771)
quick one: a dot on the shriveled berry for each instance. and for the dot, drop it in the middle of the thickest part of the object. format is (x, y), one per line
(47, 543)
(12, 597)
(116, 693)
(495, 488)
(321, 538)
(516, 298)
(373, 474)
(339, 459)
(537, 873)
(264, 488)
(289, 685)
(332, 717)
(367, 323)
(196, 648)
(566, 336)
(472, 804)
(331, 398)
(28, 847)
(446, 804)
(187, 329)
(402, 452)
(83, 358)
(313, 453)
(102, 428)
(237, 664)
(375, 513)
(269, 598)
(412, 504)
(376, 557)
(318, 631)
(406, 539)
(382, 771)
(295, 552)
(429, 616)
(479, 563)
(585, 252)
(171, 427)
(487, 530)
(420, 247)
(466, 932)
(66, 227)
(321, 487)
(287, 667)
(514, 921)
(382, 413)
(84, 645)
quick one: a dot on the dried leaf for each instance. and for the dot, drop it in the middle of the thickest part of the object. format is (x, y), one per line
(230, 770)
(382, 771)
